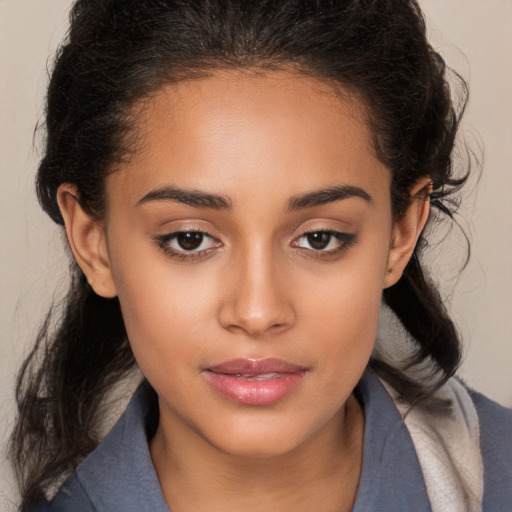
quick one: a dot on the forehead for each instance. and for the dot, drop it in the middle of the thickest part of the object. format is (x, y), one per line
(278, 129)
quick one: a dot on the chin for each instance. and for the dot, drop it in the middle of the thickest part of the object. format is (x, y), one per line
(260, 439)
(258, 448)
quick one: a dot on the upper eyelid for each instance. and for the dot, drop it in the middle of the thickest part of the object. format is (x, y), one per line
(321, 230)
(174, 234)
(326, 224)
(334, 232)
(167, 237)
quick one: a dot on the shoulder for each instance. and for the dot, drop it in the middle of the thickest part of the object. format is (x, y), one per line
(118, 474)
(473, 437)
(496, 446)
(71, 497)
(493, 417)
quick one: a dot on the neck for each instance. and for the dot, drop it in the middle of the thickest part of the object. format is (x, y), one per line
(321, 474)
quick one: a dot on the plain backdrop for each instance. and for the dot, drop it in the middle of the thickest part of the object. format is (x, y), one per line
(475, 38)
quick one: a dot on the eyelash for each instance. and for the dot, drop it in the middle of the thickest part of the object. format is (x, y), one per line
(346, 240)
(164, 241)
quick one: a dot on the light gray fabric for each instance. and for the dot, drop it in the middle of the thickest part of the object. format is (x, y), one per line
(448, 448)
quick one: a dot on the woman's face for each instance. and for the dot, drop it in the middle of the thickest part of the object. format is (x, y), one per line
(248, 240)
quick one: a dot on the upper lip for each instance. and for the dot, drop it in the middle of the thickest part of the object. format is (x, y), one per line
(256, 366)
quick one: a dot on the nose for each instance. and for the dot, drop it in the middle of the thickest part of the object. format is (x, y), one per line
(258, 301)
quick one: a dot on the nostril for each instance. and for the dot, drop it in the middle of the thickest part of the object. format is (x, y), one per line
(256, 323)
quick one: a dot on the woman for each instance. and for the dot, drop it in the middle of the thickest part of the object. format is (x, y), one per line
(243, 185)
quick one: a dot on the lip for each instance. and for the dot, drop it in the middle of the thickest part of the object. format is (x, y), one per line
(255, 381)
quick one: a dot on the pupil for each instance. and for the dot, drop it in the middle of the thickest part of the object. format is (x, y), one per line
(189, 241)
(319, 240)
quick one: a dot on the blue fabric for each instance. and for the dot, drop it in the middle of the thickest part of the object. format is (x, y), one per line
(496, 446)
(119, 474)
(391, 478)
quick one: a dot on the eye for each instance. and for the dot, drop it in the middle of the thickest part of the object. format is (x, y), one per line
(187, 244)
(330, 242)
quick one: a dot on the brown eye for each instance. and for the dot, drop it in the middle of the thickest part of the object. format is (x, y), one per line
(187, 245)
(325, 243)
(319, 240)
(189, 241)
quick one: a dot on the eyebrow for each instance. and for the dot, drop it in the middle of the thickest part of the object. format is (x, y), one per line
(194, 198)
(327, 195)
(200, 199)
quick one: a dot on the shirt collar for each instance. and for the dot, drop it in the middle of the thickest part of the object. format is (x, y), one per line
(119, 474)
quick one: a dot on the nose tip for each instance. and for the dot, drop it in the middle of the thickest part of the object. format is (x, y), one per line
(256, 323)
(257, 305)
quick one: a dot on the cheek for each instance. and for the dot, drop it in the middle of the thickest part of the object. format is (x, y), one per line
(171, 310)
(347, 317)
(343, 310)
(166, 308)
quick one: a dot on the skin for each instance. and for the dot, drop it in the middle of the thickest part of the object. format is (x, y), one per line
(256, 288)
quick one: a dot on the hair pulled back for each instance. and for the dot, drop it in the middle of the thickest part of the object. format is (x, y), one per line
(118, 53)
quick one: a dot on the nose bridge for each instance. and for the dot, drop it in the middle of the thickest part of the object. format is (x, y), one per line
(258, 301)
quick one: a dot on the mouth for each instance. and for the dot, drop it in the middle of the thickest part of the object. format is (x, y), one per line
(255, 381)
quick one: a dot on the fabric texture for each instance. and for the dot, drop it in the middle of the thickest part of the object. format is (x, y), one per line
(448, 448)
(119, 474)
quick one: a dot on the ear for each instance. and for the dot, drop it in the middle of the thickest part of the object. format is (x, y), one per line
(407, 230)
(87, 240)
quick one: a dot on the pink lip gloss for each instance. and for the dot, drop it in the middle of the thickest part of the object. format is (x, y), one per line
(255, 382)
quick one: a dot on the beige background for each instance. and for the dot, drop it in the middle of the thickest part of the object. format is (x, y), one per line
(475, 38)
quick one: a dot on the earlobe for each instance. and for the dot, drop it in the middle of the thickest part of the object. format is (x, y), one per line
(407, 230)
(87, 240)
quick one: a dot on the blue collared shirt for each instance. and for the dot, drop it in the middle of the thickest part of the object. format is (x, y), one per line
(119, 475)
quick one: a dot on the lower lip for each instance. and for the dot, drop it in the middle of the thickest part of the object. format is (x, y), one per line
(254, 392)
